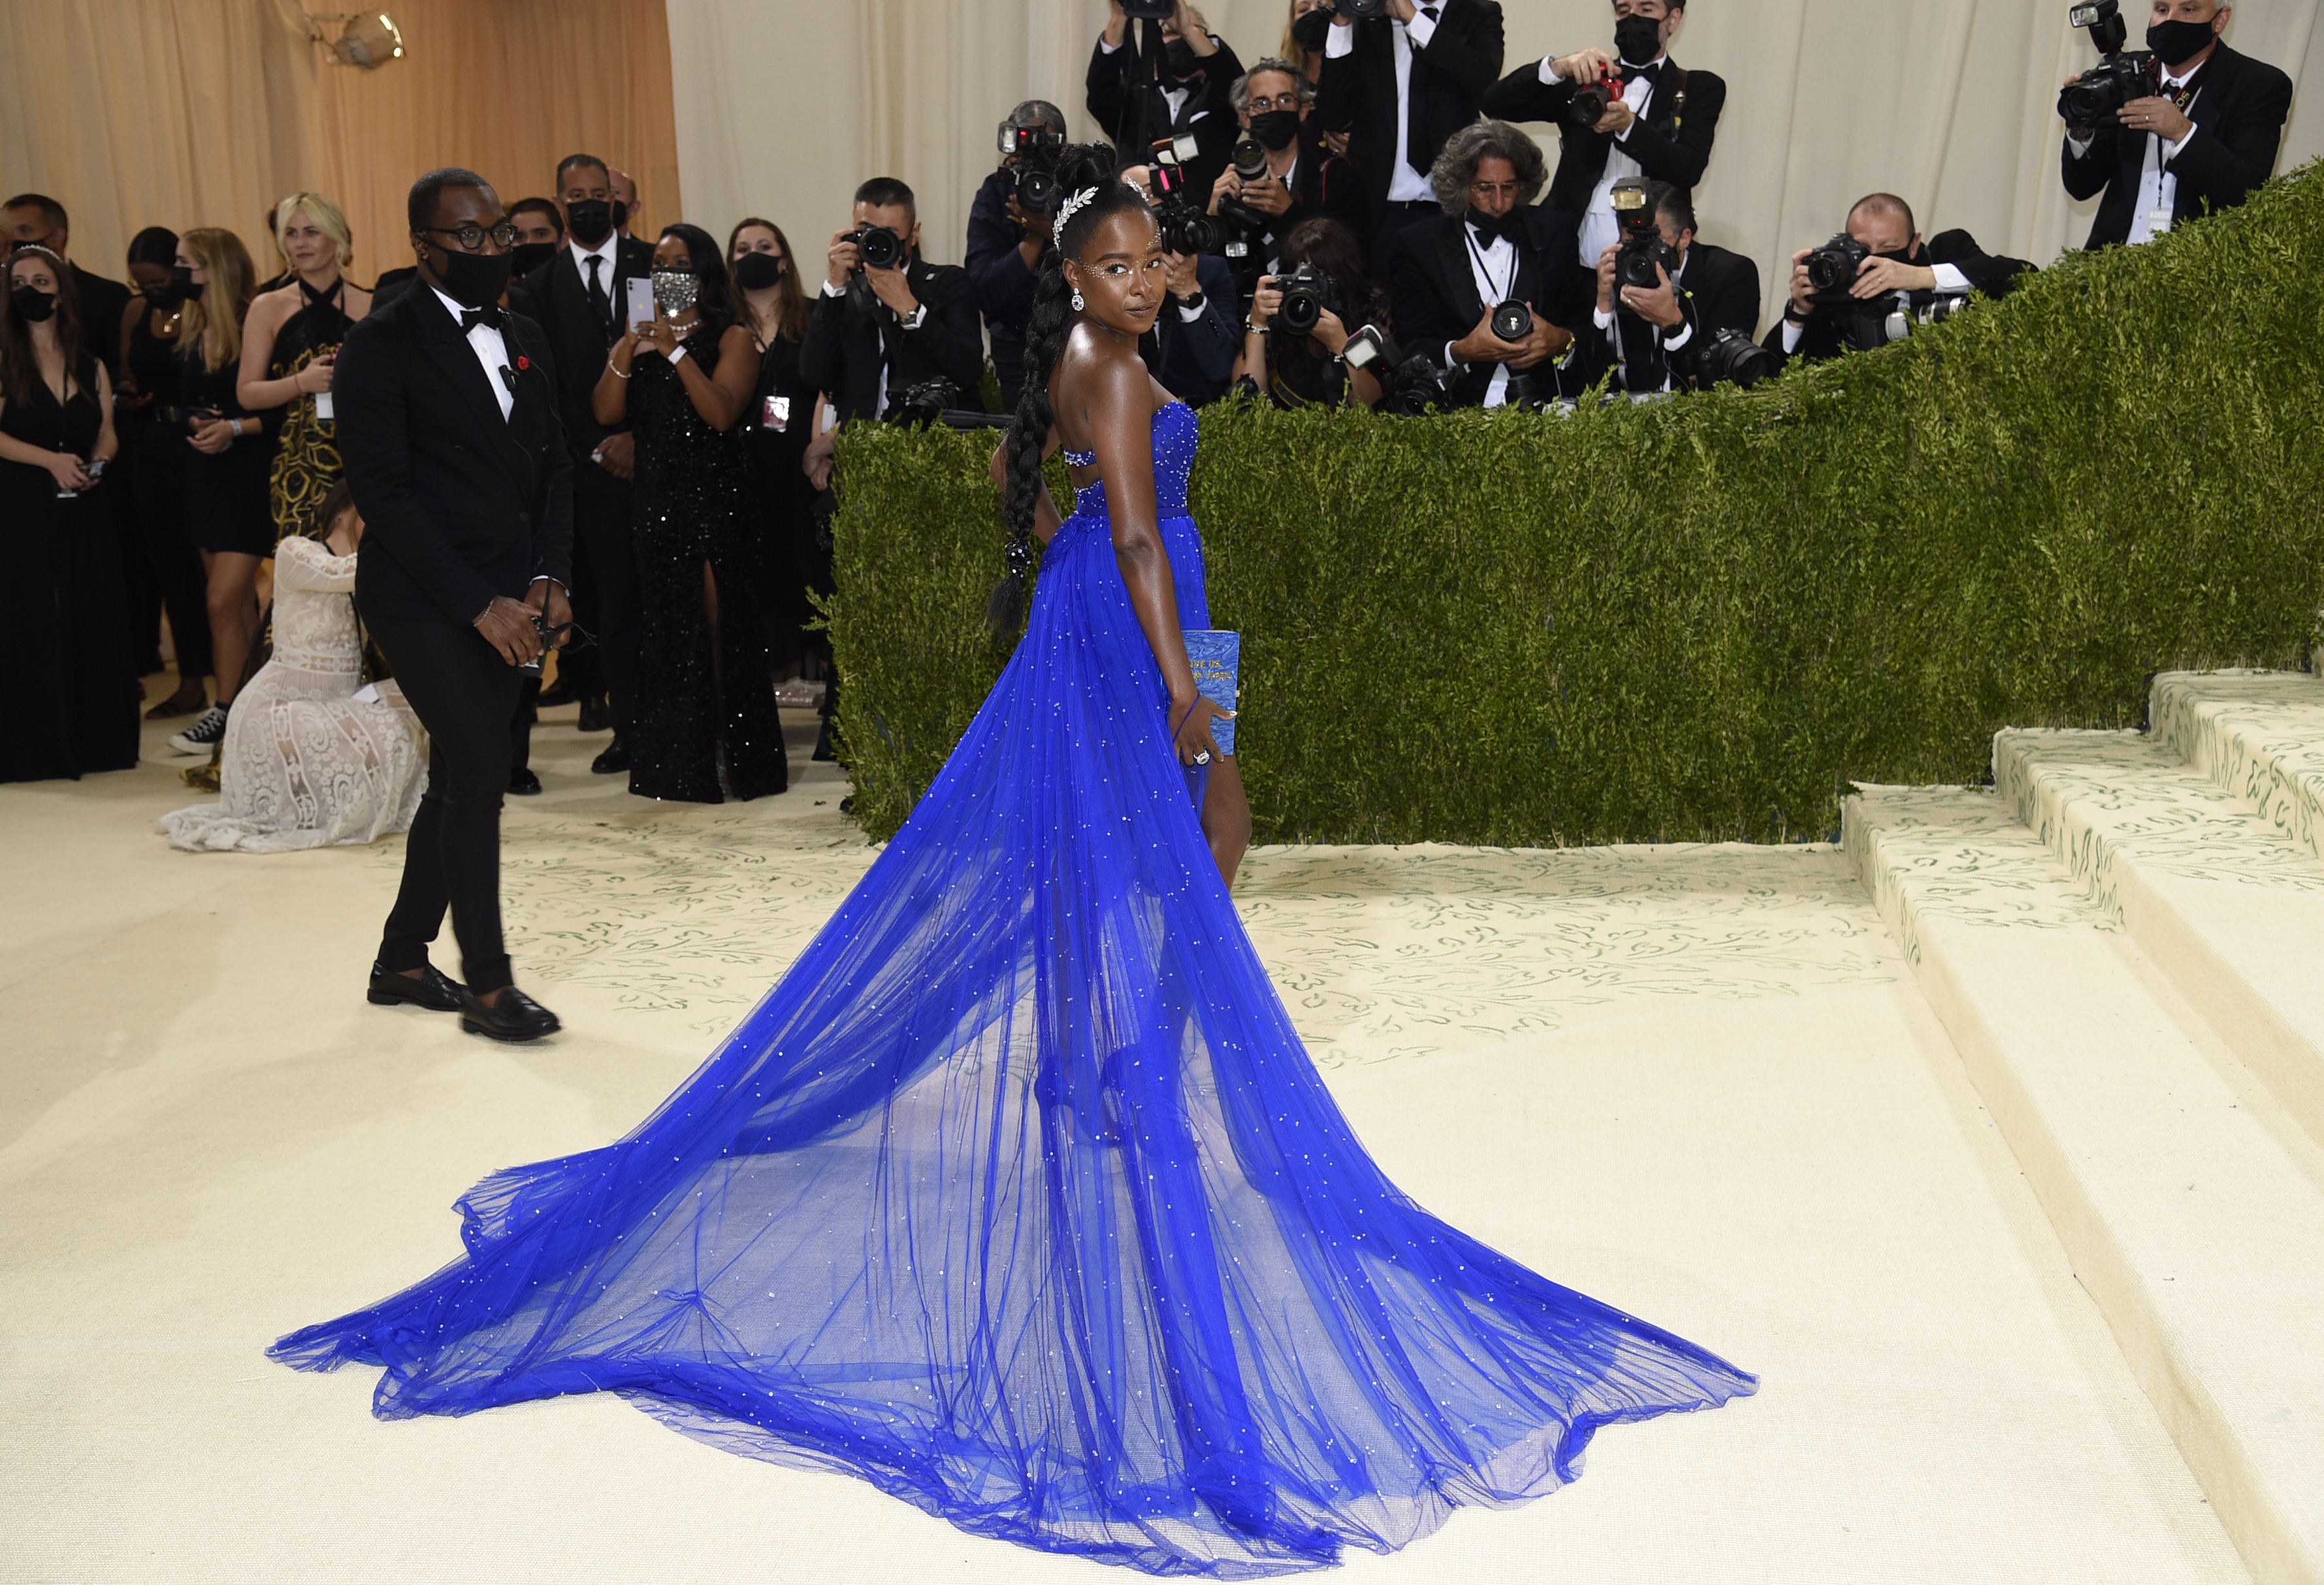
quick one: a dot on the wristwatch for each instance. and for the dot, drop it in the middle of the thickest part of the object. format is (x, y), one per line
(1193, 299)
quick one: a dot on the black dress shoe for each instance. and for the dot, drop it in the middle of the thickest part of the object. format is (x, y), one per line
(524, 782)
(613, 761)
(595, 715)
(560, 692)
(435, 990)
(514, 1016)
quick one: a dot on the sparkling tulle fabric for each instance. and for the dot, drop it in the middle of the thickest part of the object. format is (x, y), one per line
(1018, 1197)
(305, 764)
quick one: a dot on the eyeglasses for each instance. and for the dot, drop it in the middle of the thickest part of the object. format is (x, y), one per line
(472, 236)
(1279, 102)
(1494, 189)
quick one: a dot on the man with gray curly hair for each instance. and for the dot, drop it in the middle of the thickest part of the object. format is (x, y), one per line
(1486, 250)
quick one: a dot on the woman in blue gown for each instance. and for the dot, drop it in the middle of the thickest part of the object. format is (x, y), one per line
(1018, 1195)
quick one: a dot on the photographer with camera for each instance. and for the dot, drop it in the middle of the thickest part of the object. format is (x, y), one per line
(1192, 347)
(1636, 114)
(1470, 286)
(1302, 321)
(2166, 134)
(1008, 227)
(1672, 309)
(1399, 80)
(1850, 292)
(1165, 87)
(1274, 178)
(888, 321)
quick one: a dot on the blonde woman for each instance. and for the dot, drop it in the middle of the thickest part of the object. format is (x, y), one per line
(226, 462)
(289, 347)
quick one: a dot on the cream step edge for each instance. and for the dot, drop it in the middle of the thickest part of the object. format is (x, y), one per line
(2260, 734)
(2199, 1238)
(2214, 893)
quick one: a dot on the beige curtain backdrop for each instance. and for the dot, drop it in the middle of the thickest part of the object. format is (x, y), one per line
(184, 113)
(783, 106)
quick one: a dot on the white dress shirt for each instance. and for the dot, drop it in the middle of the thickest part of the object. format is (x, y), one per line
(1408, 183)
(2158, 190)
(1175, 98)
(920, 317)
(1599, 229)
(492, 353)
(1495, 271)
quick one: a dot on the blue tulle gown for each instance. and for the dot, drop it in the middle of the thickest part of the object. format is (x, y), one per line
(1019, 1198)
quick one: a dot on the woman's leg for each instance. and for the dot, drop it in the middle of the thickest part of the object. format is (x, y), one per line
(1226, 817)
(233, 617)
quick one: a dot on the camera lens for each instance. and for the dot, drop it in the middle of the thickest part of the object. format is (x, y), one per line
(1035, 186)
(1512, 321)
(880, 247)
(1249, 157)
(1590, 104)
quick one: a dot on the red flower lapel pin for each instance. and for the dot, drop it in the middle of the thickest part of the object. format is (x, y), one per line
(523, 362)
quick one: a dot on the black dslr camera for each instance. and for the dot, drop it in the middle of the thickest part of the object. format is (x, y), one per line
(1733, 357)
(2120, 76)
(1832, 269)
(1186, 229)
(880, 248)
(1248, 156)
(1149, 10)
(1643, 250)
(1357, 10)
(1035, 150)
(1307, 295)
(1592, 100)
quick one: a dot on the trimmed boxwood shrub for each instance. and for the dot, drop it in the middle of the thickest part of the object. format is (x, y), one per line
(1702, 618)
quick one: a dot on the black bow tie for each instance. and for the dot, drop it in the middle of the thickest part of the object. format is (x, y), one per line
(489, 314)
(1641, 73)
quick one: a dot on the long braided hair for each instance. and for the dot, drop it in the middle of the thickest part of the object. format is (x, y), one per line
(1080, 167)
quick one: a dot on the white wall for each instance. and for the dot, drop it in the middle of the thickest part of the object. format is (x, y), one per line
(783, 106)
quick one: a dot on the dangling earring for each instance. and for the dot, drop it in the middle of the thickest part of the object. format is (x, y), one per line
(1078, 304)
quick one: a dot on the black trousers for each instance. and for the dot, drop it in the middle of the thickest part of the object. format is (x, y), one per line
(605, 599)
(158, 480)
(465, 694)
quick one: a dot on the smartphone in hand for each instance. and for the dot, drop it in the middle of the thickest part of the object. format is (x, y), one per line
(642, 302)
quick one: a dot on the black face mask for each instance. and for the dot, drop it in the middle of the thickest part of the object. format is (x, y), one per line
(1180, 59)
(1277, 129)
(591, 220)
(183, 288)
(1314, 31)
(31, 304)
(474, 280)
(2174, 41)
(756, 271)
(1638, 39)
(528, 256)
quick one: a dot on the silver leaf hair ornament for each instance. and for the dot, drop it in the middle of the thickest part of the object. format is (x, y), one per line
(1072, 204)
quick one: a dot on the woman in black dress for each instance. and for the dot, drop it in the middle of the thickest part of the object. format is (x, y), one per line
(151, 417)
(706, 723)
(290, 342)
(226, 462)
(777, 499)
(70, 704)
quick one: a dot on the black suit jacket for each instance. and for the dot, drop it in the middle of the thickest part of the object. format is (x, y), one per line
(1195, 360)
(1129, 117)
(1672, 144)
(578, 338)
(1357, 93)
(103, 305)
(1433, 288)
(846, 336)
(2239, 109)
(1004, 283)
(1821, 336)
(458, 504)
(1717, 290)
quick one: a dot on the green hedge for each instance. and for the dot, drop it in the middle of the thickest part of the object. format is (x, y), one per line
(1700, 618)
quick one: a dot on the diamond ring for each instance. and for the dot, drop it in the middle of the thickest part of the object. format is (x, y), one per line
(1203, 757)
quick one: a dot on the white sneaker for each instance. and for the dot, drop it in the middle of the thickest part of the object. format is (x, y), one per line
(203, 736)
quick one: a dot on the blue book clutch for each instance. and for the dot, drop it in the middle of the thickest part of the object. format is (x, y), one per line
(1217, 658)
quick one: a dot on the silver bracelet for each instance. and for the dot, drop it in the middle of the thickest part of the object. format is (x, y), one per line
(615, 372)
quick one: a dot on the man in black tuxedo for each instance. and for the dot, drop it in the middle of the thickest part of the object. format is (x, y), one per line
(1398, 85)
(1653, 336)
(582, 296)
(1005, 244)
(1660, 128)
(1948, 265)
(104, 304)
(447, 424)
(1192, 347)
(2205, 138)
(1487, 245)
(875, 333)
(1169, 83)
(1303, 179)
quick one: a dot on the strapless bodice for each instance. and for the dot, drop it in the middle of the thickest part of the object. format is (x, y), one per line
(1175, 431)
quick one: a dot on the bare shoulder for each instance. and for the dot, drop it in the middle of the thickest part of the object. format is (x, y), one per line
(276, 306)
(736, 341)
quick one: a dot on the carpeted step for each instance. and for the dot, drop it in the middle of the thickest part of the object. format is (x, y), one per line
(2199, 1238)
(2215, 895)
(2260, 734)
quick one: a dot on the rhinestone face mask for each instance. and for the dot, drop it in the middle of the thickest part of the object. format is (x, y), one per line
(674, 290)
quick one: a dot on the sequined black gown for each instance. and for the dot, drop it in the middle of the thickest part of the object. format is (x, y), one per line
(306, 444)
(698, 697)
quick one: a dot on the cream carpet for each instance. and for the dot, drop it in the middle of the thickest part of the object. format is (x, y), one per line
(1698, 1082)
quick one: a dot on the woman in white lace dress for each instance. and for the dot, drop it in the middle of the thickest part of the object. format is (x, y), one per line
(311, 757)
